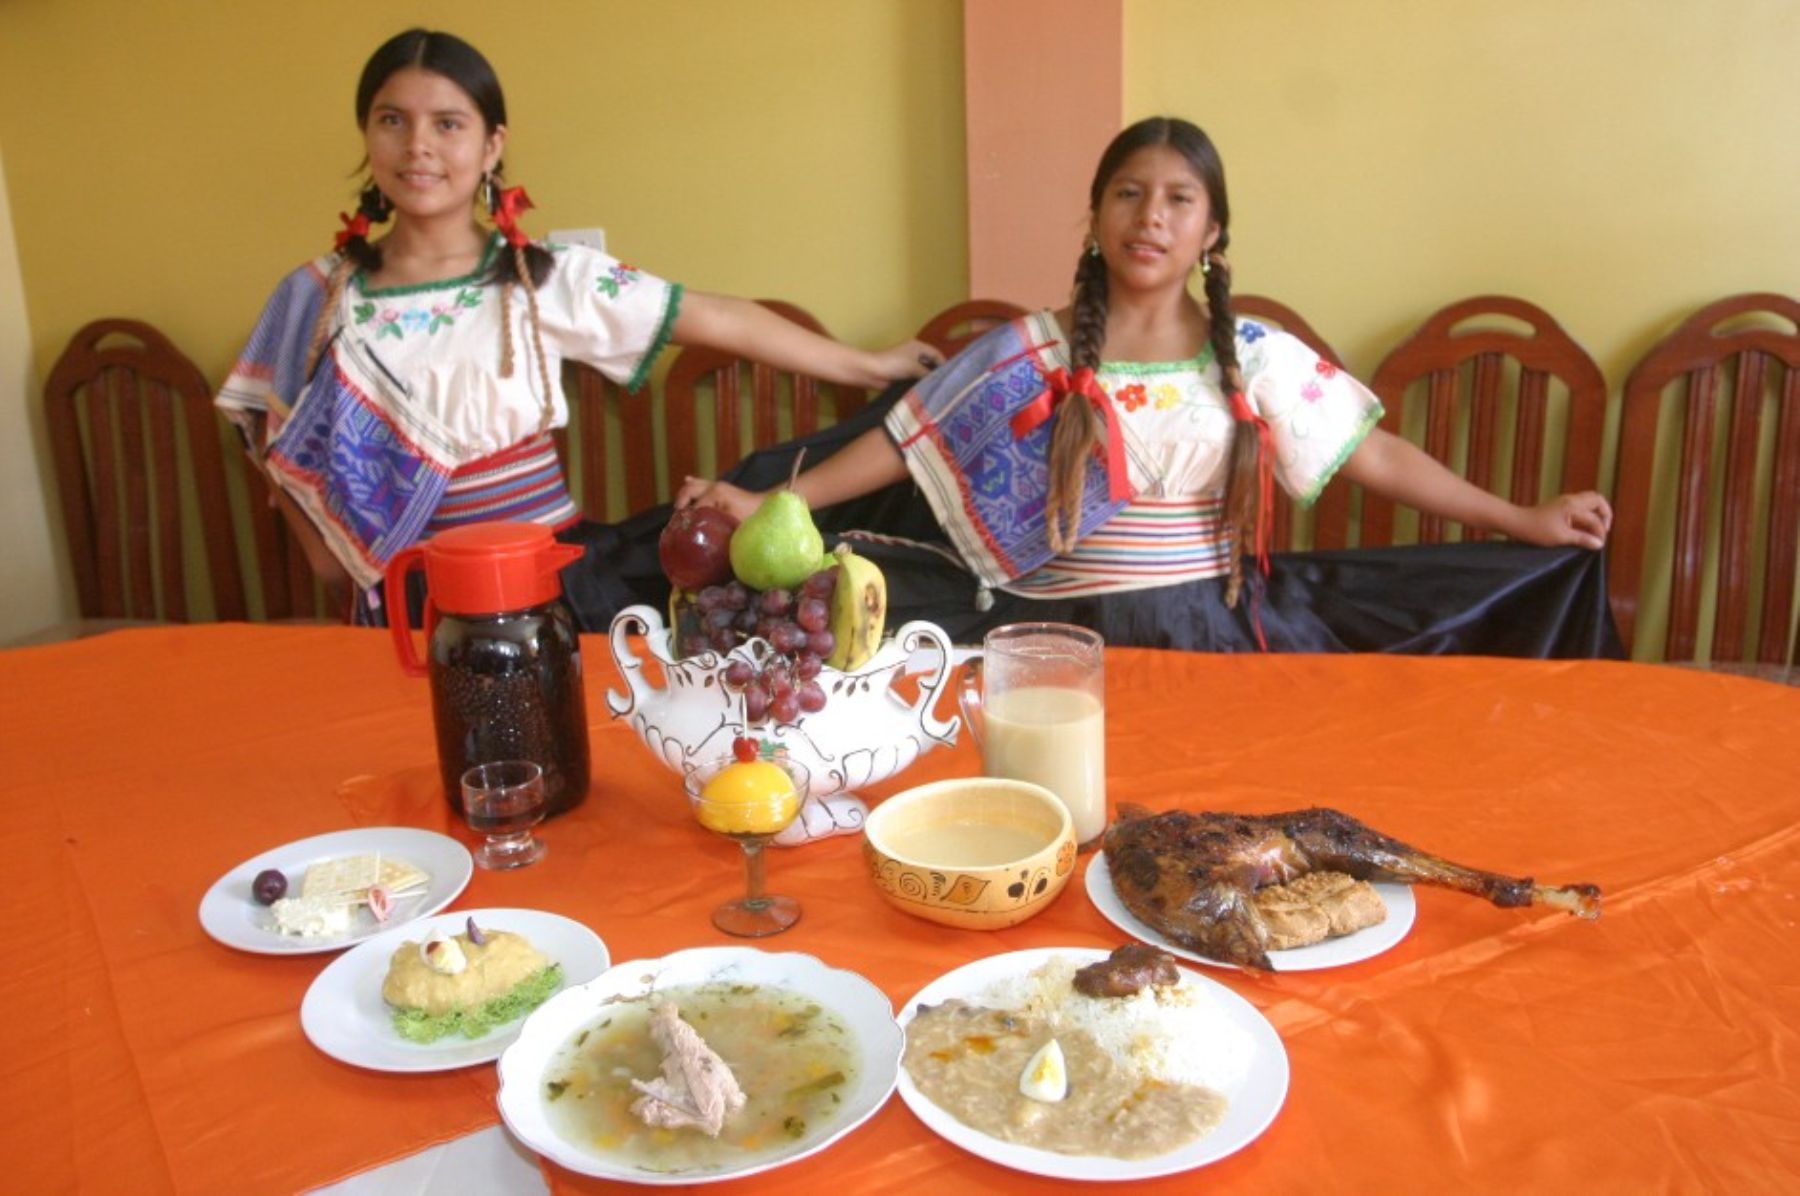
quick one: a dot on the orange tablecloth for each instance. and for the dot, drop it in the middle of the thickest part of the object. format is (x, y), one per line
(1491, 1050)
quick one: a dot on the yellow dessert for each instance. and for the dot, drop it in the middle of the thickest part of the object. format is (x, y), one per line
(756, 798)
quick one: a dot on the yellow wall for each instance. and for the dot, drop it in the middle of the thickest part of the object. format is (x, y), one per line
(1618, 162)
(170, 161)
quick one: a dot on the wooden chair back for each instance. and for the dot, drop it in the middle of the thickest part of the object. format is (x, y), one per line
(1285, 522)
(614, 429)
(137, 453)
(291, 590)
(1487, 407)
(747, 406)
(1265, 310)
(1734, 374)
(951, 330)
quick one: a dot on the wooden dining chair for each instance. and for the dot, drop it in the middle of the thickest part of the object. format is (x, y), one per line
(1488, 411)
(1285, 522)
(951, 330)
(138, 461)
(610, 434)
(1711, 426)
(292, 591)
(751, 405)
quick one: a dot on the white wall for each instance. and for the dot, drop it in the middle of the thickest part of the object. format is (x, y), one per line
(35, 588)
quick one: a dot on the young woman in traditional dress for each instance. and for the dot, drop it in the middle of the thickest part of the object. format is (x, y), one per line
(406, 383)
(1111, 464)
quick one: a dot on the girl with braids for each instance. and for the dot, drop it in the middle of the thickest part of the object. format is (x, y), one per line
(1112, 464)
(409, 382)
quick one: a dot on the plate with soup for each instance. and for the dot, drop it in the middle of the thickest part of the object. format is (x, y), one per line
(1016, 1059)
(703, 1065)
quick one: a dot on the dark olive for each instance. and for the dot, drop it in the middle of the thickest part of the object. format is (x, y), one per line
(269, 886)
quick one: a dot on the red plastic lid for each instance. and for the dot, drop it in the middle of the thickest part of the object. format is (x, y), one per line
(486, 568)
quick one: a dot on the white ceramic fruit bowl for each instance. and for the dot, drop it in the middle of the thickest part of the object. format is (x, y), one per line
(866, 732)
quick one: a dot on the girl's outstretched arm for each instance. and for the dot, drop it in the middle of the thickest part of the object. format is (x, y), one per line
(1399, 470)
(864, 465)
(748, 329)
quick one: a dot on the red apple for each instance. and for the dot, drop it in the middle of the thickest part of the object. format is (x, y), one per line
(695, 548)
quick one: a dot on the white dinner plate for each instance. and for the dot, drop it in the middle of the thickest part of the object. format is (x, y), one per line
(1332, 953)
(1255, 1095)
(344, 1016)
(233, 916)
(862, 1007)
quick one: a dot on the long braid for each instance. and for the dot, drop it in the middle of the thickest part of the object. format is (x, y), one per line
(1078, 425)
(537, 335)
(1240, 480)
(506, 349)
(358, 253)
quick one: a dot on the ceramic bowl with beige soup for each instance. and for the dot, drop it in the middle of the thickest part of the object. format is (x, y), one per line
(978, 853)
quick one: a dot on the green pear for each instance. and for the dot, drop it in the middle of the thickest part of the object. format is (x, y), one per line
(778, 546)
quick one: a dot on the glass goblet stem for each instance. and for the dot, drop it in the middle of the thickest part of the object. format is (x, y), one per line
(753, 871)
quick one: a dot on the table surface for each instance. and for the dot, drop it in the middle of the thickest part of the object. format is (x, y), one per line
(1503, 1050)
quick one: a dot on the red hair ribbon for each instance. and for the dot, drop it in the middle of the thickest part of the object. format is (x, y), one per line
(1265, 473)
(1058, 385)
(513, 200)
(353, 228)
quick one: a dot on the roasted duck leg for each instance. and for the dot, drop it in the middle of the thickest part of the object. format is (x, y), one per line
(1191, 876)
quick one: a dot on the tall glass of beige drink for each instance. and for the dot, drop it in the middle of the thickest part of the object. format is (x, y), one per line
(1036, 702)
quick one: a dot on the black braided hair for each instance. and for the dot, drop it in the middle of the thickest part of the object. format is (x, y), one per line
(358, 253)
(1241, 512)
(1078, 425)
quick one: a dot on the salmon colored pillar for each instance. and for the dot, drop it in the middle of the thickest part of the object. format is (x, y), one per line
(1042, 86)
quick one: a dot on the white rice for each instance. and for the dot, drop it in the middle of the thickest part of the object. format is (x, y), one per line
(1179, 1034)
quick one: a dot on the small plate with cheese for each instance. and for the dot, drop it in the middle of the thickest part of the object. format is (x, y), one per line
(326, 905)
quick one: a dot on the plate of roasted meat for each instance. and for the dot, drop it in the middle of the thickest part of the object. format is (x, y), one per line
(1323, 920)
(1282, 892)
(1072, 1063)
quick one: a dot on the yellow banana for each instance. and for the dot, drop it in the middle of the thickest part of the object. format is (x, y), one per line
(858, 610)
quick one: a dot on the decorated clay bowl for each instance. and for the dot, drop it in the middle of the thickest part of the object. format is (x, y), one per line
(979, 853)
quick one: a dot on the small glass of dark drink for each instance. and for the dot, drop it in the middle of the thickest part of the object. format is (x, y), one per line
(503, 800)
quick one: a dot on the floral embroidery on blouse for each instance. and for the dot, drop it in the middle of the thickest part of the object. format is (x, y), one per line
(1132, 397)
(617, 277)
(390, 322)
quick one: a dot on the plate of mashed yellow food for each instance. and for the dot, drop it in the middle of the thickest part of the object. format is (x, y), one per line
(447, 991)
(1076, 1063)
(1309, 921)
(334, 890)
(704, 1065)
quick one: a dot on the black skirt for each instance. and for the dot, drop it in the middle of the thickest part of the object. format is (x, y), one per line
(1492, 598)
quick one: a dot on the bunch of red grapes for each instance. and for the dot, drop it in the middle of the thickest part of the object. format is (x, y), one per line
(795, 623)
(724, 612)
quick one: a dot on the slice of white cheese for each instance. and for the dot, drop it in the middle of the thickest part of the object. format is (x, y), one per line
(311, 917)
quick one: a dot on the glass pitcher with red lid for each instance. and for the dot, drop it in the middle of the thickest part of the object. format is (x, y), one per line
(502, 653)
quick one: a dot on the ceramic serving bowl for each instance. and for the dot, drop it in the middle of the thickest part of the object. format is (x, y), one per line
(683, 712)
(979, 853)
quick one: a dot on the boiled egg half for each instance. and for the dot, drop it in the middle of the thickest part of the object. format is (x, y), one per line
(1046, 1076)
(443, 954)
